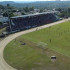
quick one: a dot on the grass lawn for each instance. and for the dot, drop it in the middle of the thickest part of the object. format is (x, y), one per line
(56, 37)
(33, 56)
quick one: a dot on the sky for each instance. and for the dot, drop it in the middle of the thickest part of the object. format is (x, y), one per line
(29, 0)
(23, 0)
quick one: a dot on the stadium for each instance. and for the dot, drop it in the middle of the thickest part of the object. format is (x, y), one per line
(19, 23)
(32, 49)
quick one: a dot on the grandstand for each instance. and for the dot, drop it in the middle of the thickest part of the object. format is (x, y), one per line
(19, 23)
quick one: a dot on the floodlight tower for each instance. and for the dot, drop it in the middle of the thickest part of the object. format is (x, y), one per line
(9, 17)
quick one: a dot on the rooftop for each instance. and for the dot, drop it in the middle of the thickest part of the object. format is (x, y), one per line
(33, 14)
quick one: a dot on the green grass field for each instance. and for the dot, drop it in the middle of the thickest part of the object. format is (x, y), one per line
(39, 47)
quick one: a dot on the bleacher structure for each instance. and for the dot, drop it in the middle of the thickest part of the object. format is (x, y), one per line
(19, 23)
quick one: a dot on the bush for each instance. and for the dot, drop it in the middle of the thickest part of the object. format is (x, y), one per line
(6, 14)
(1, 23)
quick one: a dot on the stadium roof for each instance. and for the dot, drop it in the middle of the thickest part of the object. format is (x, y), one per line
(33, 14)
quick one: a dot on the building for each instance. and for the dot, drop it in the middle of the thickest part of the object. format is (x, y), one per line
(19, 23)
(4, 19)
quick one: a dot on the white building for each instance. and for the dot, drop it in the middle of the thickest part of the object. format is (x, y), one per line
(4, 19)
(17, 13)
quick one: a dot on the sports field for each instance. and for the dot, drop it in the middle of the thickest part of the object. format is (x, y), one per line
(33, 51)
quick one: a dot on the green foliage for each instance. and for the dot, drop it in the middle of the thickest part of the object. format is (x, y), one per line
(1, 23)
(62, 15)
(1, 7)
(68, 10)
(31, 8)
(9, 14)
(26, 9)
(23, 13)
(41, 10)
(59, 9)
(5, 14)
(64, 12)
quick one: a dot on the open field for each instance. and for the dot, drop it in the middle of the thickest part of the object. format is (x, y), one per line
(33, 56)
(56, 37)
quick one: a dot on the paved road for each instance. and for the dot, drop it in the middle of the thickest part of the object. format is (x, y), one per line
(4, 42)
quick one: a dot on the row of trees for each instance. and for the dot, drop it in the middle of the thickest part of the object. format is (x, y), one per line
(6, 14)
(27, 9)
(8, 10)
(64, 12)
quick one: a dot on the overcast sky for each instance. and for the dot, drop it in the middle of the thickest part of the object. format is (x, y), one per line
(29, 0)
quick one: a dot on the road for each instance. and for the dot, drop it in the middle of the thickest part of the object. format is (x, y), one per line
(4, 42)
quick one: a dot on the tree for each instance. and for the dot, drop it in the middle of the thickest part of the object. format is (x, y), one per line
(5, 14)
(26, 9)
(8, 14)
(62, 14)
(8, 6)
(41, 10)
(11, 14)
(1, 7)
(68, 10)
(23, 13)
(31, 8)
(59, 9)
(1, 23)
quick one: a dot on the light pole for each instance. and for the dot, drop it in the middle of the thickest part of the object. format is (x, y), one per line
(9, 18)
